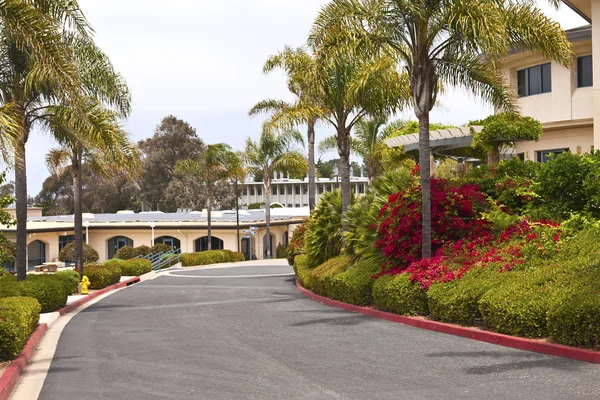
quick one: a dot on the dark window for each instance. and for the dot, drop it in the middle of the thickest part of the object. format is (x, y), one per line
(297, 187)
(115, 243)
(36, 253)
(285, 239)
(521, 156)
(544, 156)
(289, 190)
(320, 189)
(328, 188)
(535, 80)
(281, 189)
(305, 189)
(170, 241)
(361, 188)
(297, 205)
(584, 72)
(202, 243)
(259, 190)
(289, 206)
(245, 191)
(252, 191)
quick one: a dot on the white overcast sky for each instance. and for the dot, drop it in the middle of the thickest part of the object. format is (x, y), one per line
(201, 60)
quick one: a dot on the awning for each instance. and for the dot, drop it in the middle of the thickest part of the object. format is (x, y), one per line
(441, 140)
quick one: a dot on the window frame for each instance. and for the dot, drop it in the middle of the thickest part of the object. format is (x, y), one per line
(580, 83)
(524, 88)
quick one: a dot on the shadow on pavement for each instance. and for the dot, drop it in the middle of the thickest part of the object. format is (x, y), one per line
(345, 320)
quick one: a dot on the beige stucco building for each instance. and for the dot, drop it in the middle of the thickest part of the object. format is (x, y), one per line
(106, 233)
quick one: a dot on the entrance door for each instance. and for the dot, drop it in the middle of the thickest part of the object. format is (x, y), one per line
(120, 242)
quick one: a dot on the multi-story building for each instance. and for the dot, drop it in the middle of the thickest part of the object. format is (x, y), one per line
(293, 193)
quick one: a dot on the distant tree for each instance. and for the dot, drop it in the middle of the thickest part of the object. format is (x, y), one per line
(173, 140)
(324, 169)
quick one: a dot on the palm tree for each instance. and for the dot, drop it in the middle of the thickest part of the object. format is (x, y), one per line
(217, 163)
(300, 68)
(274, 152)
(108, 150)
(450, 42)
(49, 69)
(367, 143)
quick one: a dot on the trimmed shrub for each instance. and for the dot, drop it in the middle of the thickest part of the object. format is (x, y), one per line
(238, 256)
(397, 294)
(457, 301)
(136, 267)
(126, 252)
(70, 277)
(67, 254)
(323, 275)
(8, 286)
(101, 276)
(19, 317)
(160, 247)
(207, 257)
(302, 270)
(142, 250)
(51, 292)
(355, 285)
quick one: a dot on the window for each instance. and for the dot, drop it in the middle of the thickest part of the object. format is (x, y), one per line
(252, 191)
(174, 243)
(202, 243)
(259, 191)
(297, 205)
(245, 192)
(282, 190)
(304, 205)
(328, 188)
(521, 156)
(545, 155)
(584, 71)
(297, 187)
(305, 189)
(289, 190)
(535, 80)
(66, 239)
(289, 206)
(36, 253)
(361, 188)
(320, 189)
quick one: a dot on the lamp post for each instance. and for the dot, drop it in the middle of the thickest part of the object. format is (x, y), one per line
(152, 225)
(87, 235)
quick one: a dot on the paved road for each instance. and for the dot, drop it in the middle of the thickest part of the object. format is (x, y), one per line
(207, 334)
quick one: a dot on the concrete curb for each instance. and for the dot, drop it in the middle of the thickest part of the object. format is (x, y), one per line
(13, 372)
(537, 346)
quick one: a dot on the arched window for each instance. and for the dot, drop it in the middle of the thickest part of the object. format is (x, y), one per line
(36, 253)
(201, 244)
(116, 242)
(246, 248)
(286, 239)
(170, 241)
(273, 244)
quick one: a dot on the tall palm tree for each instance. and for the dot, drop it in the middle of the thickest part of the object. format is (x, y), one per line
(104, 147)
(457, 43)
(217, 163)
(274, 152)
(300, 68)
(47, 77)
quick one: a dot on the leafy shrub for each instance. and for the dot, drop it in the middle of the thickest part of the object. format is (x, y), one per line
(101, 276)
(51, 292)
(126, 253)
(8, 286)
(302, 270)
(399, 295)
(355, 285)
(457, 301)
(19, 317)
(142, 250)
(296, 245)
(281, 251)
(132, 267)
(71, 277)
(160, 247)
(323, 236)
(67, 254)
(321, 277)
(238, 256)
(207, 257)
(8, 250)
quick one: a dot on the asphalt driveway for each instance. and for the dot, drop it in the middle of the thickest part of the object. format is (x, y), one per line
(226, 334)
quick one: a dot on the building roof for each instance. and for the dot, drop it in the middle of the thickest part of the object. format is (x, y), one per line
(581, 7)
(441, 140)
(187, 220)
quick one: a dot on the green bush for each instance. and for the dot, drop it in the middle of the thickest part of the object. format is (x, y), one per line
(321, 277)
(136, 267)
(8, 286)
(70, 277)
(458, 301)
(238, 256)
(302, 270)
(101, 276)
(355, 285)
(19, 317)
(574, 312)
(397, 294)
(160, 247)
(281, 251)
(207, 257)
(51, 292)
(67, 254)
(8, 250)
(142, 250)
(126, 252)
(296, 245)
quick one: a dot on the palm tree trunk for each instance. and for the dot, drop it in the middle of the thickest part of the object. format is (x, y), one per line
(78, 219)
(312, 189)
(209, 215)
(343, 139)
(425, 175)
(21, 210)
(267, 188)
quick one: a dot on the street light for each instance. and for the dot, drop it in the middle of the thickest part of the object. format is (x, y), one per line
(87, 236)
(253, 230)
(152, 225)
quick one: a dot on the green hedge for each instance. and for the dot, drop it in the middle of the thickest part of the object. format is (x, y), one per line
(67, 254)
(51, 292)
(458, 301)
(133, 267)
(101, 276)
(207, 257)
(355, 286)
(397, 294)
(70, 277)
(19, 317)
(302, 270)
(323, 275)
(238, 256)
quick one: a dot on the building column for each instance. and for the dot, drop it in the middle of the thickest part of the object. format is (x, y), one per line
(596, 70)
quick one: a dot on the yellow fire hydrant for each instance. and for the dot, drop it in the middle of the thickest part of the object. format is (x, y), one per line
(85, 282)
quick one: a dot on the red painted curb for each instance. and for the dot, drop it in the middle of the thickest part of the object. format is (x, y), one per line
(10, 377)
(537, 346)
